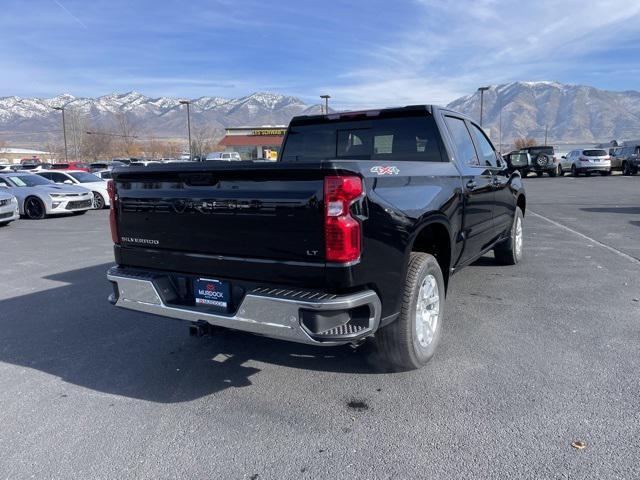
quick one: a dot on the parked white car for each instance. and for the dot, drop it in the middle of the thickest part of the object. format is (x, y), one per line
(8, 208)
(96, 184)
(224, 156)
(39, 197)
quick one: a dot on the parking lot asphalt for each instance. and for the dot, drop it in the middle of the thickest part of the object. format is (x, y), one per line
(533, 358)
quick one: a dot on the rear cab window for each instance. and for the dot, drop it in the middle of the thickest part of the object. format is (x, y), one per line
(405, 136)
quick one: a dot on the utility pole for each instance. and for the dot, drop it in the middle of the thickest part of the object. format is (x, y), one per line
(326, 103)
(482, 90)
(187, 103)
(500, 130)
(64, 133)
(546, 129)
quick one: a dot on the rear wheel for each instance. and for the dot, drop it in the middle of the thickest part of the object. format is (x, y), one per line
(411, 340)
(574, 172)
(509, 252)
(560, 171)
(34, 208)
(626, 169)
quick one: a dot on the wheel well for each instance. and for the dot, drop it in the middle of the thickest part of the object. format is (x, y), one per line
(522, 203)
(435, 239)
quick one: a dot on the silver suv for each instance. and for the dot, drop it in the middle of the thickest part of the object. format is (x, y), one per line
(586, 161)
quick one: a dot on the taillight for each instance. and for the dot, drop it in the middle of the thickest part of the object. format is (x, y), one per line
(341, 230)
(113, 224)
(584, 159)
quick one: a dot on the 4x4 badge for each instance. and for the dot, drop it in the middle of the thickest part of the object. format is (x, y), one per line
(384, 170)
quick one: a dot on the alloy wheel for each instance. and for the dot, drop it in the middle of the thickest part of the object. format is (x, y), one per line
(98, 201)
(427, 310)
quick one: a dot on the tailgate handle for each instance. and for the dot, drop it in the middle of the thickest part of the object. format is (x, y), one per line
(200, 180)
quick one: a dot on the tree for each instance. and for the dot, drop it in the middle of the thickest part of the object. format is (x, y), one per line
(523, 142)
(127, 131)
(203, 140)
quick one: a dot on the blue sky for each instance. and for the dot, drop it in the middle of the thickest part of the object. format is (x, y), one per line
(363, 53)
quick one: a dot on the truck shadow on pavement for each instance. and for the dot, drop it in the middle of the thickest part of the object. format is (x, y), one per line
(72, 332)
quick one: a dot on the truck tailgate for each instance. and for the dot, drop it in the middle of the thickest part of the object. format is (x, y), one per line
(272, 212)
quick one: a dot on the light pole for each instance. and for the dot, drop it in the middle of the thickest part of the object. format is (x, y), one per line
(64, 133)
(187, 103)
(482, 90)
(326, 103)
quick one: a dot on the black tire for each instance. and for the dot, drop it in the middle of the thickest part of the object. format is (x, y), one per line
(34, 208)
(553, 173)
(560, 171)
(574, 172)
(398, 343)
(98, 201)
(626, 169)
(508, 252)
(80, 212)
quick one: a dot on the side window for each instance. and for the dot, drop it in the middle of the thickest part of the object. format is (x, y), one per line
(57, 177)
(46, 175)
(487, 153)
(465, 151)
(3, 182)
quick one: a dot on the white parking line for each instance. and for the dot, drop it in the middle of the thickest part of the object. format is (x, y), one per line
(586, 237)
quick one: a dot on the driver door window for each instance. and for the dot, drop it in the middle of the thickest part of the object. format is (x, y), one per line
(486, 152)
(465, 151)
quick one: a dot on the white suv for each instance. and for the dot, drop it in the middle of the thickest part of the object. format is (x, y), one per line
(586, 161)
(224, 156)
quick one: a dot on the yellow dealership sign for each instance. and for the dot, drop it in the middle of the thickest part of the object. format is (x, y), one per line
(267, 132)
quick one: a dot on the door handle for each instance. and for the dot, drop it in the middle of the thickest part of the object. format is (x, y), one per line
(471, 185)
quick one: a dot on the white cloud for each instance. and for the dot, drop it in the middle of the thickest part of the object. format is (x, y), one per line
(451, 48)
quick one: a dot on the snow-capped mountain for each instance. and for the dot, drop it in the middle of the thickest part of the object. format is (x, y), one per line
(162, 116)
(572, 113)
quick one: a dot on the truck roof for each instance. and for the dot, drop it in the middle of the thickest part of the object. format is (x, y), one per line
(374, 112)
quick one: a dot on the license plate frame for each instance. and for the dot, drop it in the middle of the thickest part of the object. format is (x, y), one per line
(212, 293)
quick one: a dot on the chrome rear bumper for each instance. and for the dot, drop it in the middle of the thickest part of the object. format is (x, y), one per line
(268, 312)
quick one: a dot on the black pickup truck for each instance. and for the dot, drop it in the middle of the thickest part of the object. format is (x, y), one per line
(353, 233)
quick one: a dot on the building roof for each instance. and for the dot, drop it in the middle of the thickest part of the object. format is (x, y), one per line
(251, 140)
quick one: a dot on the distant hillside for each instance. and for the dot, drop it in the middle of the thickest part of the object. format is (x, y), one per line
(149, 116)
(573, 113)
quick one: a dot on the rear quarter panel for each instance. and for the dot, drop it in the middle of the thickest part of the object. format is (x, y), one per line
(400, 201)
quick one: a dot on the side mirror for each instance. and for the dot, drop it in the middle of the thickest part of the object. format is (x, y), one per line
(68, 182)
(564, 156)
